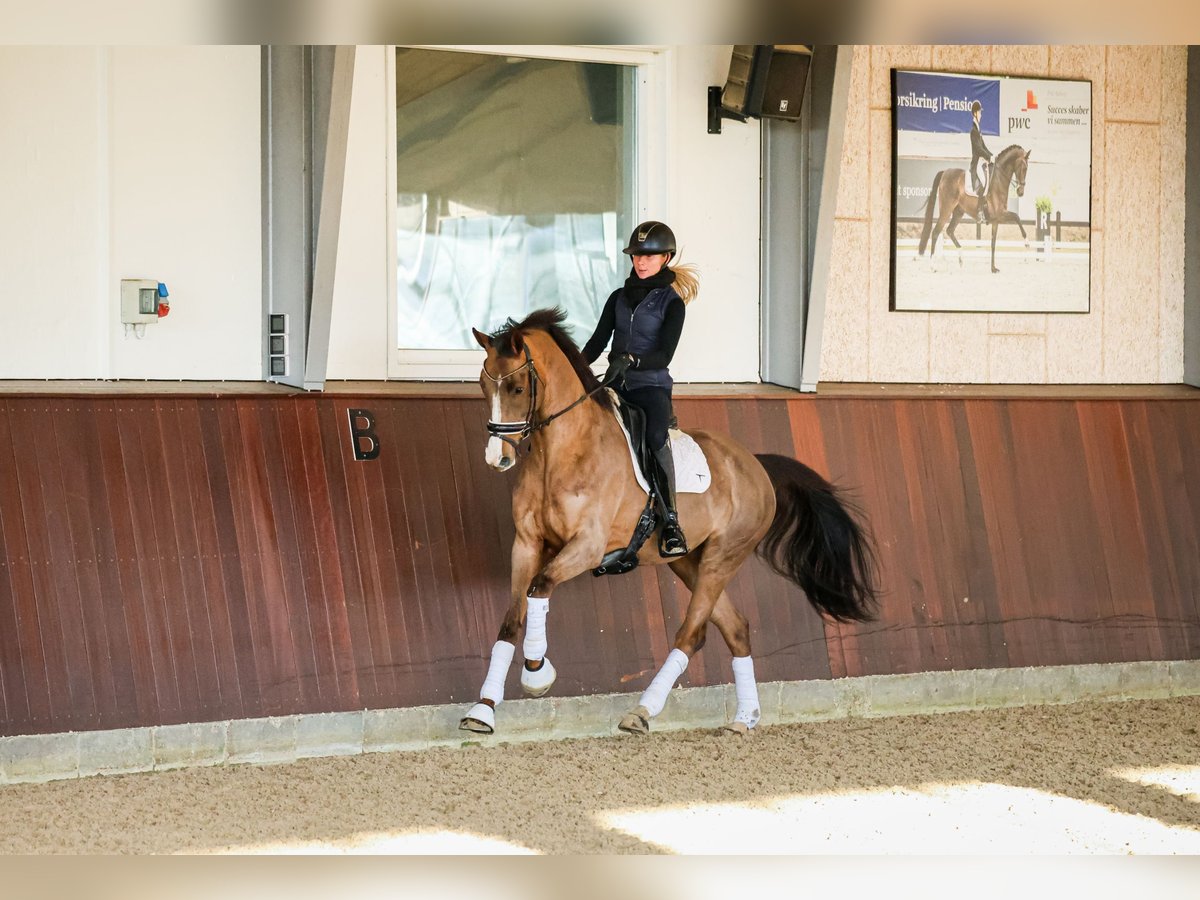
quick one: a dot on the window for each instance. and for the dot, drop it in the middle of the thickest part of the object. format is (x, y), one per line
(515, 187)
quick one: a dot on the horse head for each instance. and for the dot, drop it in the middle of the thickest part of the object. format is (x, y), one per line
(1013, 165)
(509, 383)
(518, 383)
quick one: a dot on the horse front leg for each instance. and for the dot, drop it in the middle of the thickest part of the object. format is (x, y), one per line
(527, 552)
(576, 556)
(995, 230)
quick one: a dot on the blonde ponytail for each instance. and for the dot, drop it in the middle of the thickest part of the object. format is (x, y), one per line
(687, 281)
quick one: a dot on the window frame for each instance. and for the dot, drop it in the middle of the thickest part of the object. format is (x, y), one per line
(649, 191)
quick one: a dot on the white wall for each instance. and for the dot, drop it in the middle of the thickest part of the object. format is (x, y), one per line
(130, 163)
(53, 215)
(705, 186)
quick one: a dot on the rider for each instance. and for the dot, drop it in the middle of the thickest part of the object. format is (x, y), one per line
(644, 318)
(978, 151)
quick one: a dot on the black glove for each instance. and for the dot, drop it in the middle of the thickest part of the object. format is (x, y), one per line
(617, 365)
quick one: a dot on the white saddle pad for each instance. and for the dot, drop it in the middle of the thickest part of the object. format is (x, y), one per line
(691, 466)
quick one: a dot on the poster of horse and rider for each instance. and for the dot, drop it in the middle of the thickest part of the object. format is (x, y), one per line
(991, 193)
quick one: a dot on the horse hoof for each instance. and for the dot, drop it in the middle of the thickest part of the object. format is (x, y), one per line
(636, 722)
(535, 684)
(739, 728)
(480, 719)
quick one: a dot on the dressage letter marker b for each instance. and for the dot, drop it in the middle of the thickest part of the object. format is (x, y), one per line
(365, 433)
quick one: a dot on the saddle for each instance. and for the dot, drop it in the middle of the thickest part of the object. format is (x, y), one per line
(624, 559)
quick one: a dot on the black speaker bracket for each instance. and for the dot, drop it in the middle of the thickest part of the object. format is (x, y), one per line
(716, 112)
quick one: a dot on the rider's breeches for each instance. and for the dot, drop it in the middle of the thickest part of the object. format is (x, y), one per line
(656, 403)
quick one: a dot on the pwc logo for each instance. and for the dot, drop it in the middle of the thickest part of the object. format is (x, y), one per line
(1017, 123)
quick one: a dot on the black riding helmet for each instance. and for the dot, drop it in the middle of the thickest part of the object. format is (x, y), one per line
(650, 238)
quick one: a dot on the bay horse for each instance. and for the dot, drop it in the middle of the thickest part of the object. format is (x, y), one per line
(952, 198)
(576, 498)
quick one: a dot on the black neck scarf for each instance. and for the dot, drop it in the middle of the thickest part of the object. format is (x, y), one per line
(636, 288)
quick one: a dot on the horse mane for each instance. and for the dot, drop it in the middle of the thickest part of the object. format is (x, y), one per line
(552, 322)
(1007, 150)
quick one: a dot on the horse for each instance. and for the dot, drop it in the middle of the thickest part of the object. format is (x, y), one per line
(950, 193)
(576, 498)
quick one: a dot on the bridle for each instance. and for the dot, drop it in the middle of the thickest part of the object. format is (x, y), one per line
(524, 429)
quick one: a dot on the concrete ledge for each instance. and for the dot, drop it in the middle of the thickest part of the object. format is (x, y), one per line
(47, 757)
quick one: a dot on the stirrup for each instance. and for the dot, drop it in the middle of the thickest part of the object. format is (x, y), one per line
(675, 537)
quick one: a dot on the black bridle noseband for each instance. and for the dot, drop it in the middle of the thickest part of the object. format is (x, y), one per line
(523, 430)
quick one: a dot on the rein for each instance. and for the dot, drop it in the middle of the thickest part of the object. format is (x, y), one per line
(525, 429)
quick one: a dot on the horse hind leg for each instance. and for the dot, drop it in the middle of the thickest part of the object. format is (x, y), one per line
(709, 603)
(736, 631)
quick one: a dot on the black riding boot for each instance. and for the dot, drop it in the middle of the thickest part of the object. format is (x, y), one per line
(671, 541)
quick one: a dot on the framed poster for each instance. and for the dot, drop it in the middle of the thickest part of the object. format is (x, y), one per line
(991, 193)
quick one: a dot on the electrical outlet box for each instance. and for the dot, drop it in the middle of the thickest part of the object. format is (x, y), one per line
(140, 299)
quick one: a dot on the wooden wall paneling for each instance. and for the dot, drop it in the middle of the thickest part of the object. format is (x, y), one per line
(407, 625)
(335, 451)
(140, 445)
(137, 431)
(1176, 461)
(793, 644)
(959, 620)
(1065, 569)
(173, 559)
(97, 418)
(808, 445)
(183, 633)
(1161, 608)
(145, 664)
(264, 576)
(380, 497)
(1186, 424)
(982, 576)
(927, 545)
(74, 432)
(26, 685)
(762, 601)
(288, 502)
(64, 562)
(324, 561)
(32, 436)
(425, 471)
(186, 594)
(992, 447)
(246, 553)
(862, 458)
(1112, 502)
(196, 498)
(218, 423)
(1159, 526)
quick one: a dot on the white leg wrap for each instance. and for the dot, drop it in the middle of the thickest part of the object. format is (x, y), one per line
(535, 628)
(655, 697)
(747, 691)
(493, 685)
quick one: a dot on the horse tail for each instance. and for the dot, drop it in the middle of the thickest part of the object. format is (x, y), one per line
(816, 542)
(929, 202)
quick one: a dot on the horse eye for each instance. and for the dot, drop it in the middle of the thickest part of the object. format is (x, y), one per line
(518, 390)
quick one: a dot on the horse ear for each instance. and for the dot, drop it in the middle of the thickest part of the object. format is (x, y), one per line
(518, 342)
(481, 339)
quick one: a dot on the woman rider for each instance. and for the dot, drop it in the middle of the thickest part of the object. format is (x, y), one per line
(644, 319)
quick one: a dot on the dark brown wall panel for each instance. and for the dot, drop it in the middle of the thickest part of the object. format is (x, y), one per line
(167, 559)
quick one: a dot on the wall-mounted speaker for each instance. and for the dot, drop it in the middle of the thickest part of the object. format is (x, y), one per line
(764, 81)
